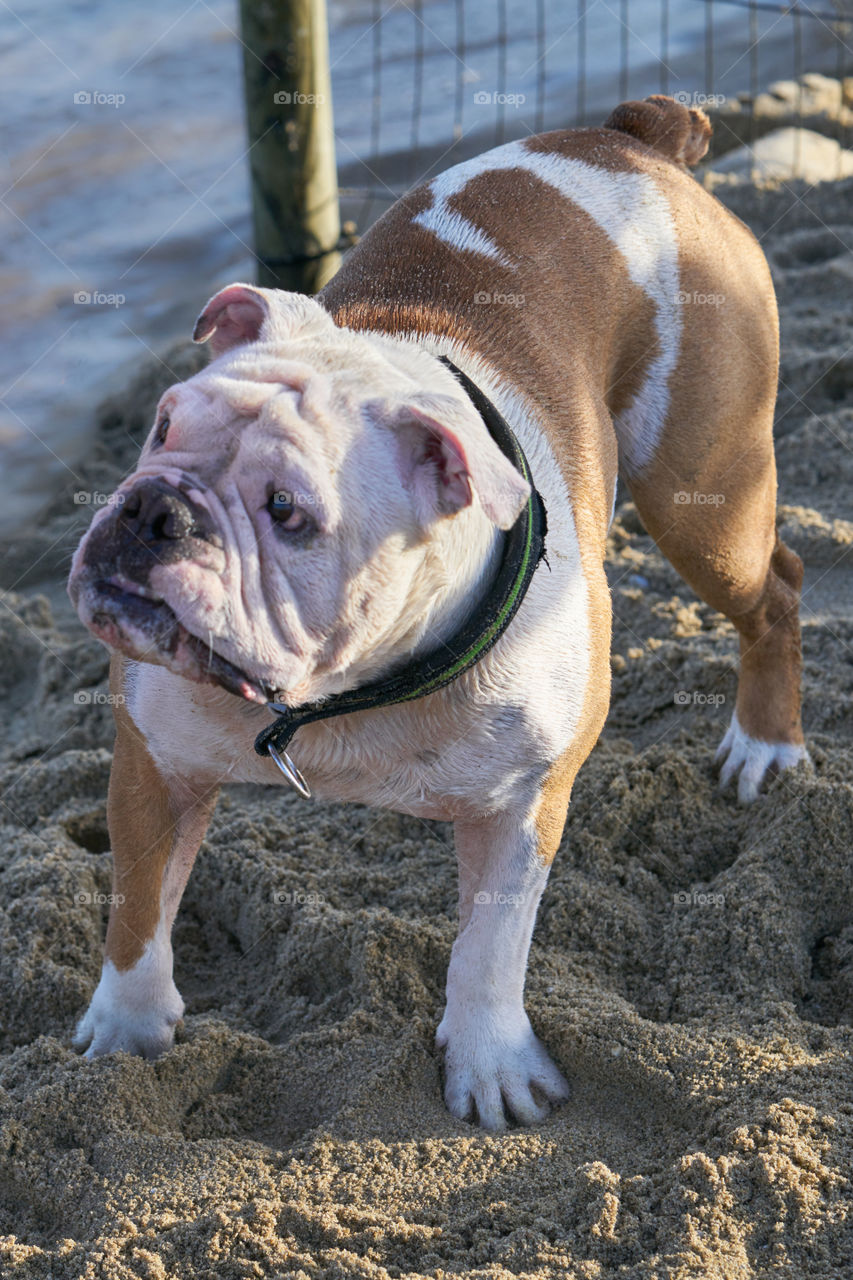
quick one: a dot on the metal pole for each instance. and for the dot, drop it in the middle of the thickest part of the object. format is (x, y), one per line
(292, 144)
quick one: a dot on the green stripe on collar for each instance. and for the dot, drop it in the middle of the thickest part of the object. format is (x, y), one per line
(524, 547)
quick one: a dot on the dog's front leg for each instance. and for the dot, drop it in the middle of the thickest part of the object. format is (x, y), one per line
(156, 826)
(493, 1061)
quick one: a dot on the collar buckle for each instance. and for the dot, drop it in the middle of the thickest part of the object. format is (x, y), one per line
(290, 771)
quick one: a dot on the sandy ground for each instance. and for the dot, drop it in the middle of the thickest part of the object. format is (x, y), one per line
(691, 971)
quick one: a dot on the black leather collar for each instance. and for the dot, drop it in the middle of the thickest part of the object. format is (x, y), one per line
(524, 547)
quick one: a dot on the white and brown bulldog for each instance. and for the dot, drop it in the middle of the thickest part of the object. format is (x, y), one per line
(327, 506)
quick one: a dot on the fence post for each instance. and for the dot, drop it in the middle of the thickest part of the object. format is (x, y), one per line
(292, 148)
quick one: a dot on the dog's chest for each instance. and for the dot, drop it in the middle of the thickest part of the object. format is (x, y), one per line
(456, 761)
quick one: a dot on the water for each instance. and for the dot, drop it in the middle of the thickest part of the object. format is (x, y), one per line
(125, 199)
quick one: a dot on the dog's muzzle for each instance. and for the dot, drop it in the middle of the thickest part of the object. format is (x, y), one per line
(163, 521)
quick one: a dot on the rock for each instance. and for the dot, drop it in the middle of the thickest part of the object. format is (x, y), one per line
(785, 154)
(819, 102)
(811, 94)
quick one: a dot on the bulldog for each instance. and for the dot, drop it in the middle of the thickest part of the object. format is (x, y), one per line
(371, 533)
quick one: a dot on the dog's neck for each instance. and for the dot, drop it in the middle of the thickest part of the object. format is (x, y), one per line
(463, 552)
(456, 563)
(451, 573)
(460, 560)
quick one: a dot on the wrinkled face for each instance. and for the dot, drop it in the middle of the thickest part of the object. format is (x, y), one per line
(274, 529)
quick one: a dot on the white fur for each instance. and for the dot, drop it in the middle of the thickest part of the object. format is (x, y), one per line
(450, 226)
(493, 1059)
(377, 758)
(134, 1010)
(750, 759)
(634, 213)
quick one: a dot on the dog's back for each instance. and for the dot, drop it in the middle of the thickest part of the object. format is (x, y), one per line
(511, 253)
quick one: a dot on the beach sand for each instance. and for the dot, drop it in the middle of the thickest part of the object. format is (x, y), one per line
(691, 969)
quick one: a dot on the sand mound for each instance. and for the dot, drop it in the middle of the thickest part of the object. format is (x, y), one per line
(692, 968)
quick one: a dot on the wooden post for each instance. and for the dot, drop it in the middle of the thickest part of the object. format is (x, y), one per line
(292, 157)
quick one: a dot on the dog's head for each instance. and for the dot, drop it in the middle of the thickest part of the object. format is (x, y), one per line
(282, 525)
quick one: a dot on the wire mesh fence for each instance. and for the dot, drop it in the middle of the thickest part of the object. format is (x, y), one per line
(439, 81)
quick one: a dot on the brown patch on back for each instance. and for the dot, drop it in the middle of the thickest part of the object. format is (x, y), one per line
(402, 279)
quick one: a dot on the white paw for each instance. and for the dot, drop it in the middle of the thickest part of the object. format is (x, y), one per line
(130, 1014)
(751, 759)
(494, 1065)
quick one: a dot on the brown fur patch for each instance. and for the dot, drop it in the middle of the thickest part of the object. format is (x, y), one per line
(768, 701)
(144, 819)
(140, 820)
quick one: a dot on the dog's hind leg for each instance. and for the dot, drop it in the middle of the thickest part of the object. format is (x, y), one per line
(714, 520)
(698, 458)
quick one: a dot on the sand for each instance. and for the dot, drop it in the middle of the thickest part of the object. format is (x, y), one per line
(691, 970)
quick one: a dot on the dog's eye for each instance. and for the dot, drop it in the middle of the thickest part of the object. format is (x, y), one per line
(284, 513)
(162, 429)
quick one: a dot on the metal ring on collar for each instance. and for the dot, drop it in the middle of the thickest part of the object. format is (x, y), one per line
(290, 771)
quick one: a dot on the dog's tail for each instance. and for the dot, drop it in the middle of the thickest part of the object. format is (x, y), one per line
(680, 133)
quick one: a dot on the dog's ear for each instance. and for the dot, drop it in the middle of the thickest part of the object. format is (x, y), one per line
(445, 454)
(233, 316)
(243, 313)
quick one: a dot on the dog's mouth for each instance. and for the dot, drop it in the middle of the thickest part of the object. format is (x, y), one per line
(132, 618)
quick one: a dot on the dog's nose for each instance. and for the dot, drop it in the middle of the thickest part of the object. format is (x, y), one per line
(158, 514)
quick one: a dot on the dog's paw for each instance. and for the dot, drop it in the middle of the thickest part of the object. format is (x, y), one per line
(496, 1067)
(127, 1015)
(751, 760)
